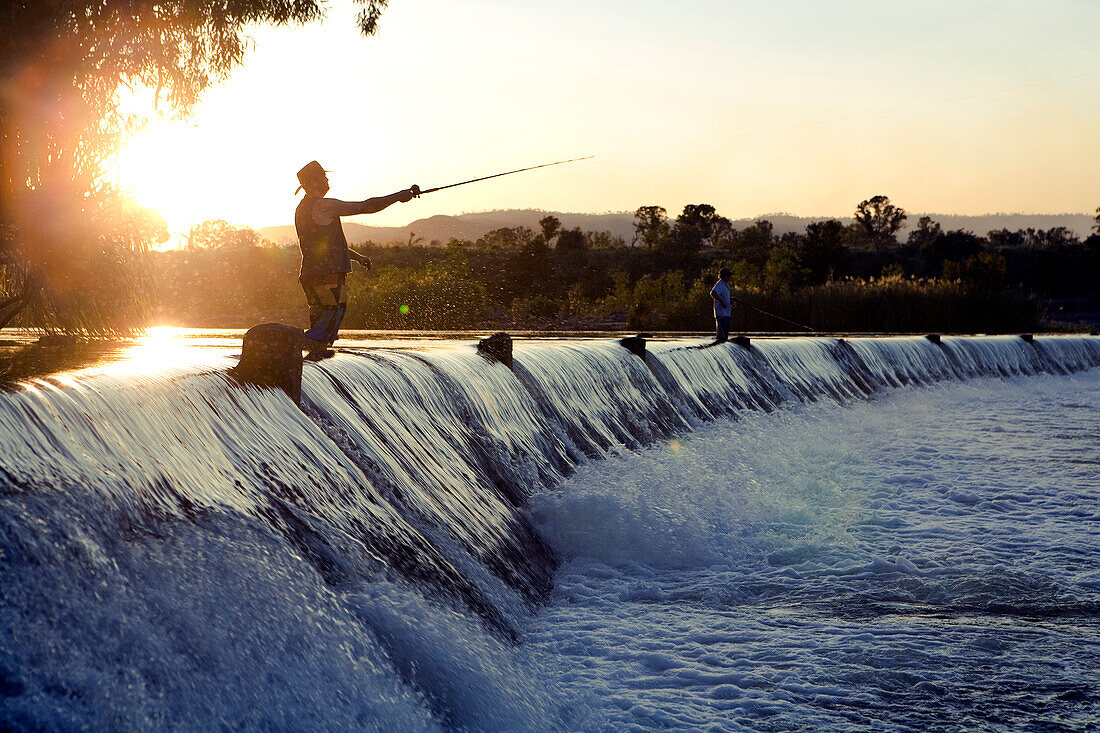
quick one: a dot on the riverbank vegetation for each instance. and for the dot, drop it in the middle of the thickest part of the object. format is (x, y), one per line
(832, 277)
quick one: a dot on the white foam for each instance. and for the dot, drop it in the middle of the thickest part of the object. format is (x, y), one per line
(840, 568)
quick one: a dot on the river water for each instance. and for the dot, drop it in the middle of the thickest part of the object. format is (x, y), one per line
(925, 560)
(804, 535)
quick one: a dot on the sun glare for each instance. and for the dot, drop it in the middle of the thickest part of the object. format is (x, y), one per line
(158, 348)
(162, 349)
(152, 167)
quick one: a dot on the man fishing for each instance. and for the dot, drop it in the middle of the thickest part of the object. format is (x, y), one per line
(326, 258)
(723, 305)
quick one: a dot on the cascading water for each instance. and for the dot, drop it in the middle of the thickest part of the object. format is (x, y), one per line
(179, 550)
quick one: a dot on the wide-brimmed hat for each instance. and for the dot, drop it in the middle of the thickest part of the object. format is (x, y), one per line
(308, 172)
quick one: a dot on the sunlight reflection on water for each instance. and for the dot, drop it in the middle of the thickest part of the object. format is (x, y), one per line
(159, 352)
(168, 350)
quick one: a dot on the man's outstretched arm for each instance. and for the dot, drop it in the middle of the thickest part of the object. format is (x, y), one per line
(332, 208)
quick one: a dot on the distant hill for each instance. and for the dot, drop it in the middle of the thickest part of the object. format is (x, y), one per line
(468, 226)
(442, 228)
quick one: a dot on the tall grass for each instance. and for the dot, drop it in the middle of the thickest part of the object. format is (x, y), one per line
(886, 305)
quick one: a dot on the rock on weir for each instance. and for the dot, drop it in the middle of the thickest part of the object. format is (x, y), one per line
(497, 347)
(271, 356)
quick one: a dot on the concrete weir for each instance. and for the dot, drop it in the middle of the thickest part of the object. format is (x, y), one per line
(271, 356)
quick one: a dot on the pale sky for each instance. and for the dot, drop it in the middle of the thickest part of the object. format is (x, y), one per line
(798, 106)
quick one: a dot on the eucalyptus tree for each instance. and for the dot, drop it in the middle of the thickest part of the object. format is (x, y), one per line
(71, 249)
(550, 226)
(824, 250)
(878, 221)
(651, 225)
(697, 225)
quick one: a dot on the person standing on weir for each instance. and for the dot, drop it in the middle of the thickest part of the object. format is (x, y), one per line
(326, 258)
(723, 306)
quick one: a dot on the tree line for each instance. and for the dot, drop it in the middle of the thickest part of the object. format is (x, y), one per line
(830, 277)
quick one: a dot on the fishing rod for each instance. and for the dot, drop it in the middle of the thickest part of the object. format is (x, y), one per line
(498, 175)
(418, 193)
(772, 315)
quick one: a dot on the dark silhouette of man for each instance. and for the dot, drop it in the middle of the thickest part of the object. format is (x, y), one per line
(326, 258)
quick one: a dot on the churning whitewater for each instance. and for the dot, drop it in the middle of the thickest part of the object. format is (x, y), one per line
(807, 534)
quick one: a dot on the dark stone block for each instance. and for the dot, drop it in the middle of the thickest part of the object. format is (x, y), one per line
(934, 338)
(271, 356)
(497, 347)
(634, 344)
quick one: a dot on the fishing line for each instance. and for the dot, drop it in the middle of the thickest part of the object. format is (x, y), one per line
(865, 115)
(785, 128)
(418, 192)
(781, 318)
